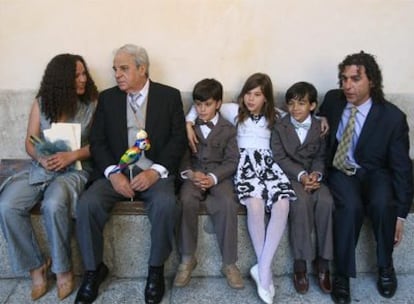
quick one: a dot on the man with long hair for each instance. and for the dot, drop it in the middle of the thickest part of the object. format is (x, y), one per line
(370, 171)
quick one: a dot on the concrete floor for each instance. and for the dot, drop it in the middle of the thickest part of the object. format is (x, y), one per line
(210, 290)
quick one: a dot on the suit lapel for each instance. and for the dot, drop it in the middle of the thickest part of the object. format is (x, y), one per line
(119, 113)
(152, 107)
(291, 137)
(374, 115)
(314, 130)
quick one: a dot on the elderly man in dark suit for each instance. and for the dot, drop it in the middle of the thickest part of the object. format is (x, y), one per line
(370, 170)
(136, 103)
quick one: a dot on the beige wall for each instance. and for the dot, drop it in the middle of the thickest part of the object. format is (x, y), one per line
(227, 39)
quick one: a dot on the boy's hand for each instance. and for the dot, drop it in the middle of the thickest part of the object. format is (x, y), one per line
(310, 181)
(202, 181)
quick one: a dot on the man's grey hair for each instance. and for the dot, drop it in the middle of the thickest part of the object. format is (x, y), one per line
(139, 53)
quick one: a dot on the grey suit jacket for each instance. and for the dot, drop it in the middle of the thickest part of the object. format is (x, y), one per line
(217, 154)
(294, 157)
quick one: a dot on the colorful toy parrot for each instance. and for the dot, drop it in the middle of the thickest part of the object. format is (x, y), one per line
(133, 154)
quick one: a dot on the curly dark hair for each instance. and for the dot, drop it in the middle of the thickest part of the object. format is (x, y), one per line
(265, 83)
(372, 70)
(57, 91)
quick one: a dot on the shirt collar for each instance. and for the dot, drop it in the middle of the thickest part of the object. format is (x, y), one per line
(308, 120)
(363, 108)
(143, 92)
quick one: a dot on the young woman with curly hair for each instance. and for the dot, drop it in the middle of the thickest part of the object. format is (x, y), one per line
(67, 94)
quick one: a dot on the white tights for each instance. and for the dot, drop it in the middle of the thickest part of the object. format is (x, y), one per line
(266, 240)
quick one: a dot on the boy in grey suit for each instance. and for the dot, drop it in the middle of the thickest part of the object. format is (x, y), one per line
(299, 150)
(207, 175)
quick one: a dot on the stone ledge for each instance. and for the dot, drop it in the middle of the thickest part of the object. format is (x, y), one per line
(127, 244)
(10, 166)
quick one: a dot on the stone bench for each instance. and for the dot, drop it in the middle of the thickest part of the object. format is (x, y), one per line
(125, 217)
(127, 243)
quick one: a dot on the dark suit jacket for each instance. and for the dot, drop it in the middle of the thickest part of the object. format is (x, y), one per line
(382, 145)
(294, 157)
(217, 154)
(164, 123)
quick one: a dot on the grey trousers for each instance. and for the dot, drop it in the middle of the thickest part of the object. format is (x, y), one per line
(222, 206)
(16, 200)
(94, 208)
(309, 211)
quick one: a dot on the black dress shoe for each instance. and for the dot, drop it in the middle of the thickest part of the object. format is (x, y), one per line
(340, 292)
(155, 287)
(88, 291)
(387, 282)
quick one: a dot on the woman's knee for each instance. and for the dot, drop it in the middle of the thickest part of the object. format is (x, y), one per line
(5, 207)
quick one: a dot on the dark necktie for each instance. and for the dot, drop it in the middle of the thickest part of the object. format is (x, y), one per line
(201, 122)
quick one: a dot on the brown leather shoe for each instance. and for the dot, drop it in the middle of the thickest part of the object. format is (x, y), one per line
(324, 281)
(301, 282)
(183, 275)
(324, 278)
(233, 276)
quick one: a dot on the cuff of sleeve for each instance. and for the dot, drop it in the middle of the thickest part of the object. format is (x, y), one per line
(300, 174)
(163, 172)
(401, 218)
(186, 174)
(320, 175)
(108, 170)
(214, 178)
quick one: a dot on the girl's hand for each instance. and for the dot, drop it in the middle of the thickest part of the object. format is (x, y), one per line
(324, 126)
(192, 137)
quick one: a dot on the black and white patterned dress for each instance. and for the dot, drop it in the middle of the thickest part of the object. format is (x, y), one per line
(258, 175)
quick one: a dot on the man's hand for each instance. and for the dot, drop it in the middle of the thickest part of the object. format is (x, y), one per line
(121, 185)
(399, 231)
(324, 126)
(144, 180)
(191, 136)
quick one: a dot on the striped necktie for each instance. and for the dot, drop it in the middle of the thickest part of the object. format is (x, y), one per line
(133, 101)
(339, 160)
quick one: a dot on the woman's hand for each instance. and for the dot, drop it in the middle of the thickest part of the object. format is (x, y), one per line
(60, 161)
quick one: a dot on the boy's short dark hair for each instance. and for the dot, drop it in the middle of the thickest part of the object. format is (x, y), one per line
(206, 89)
(300, 89)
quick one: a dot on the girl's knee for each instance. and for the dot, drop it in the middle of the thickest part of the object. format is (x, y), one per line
(282, 205)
